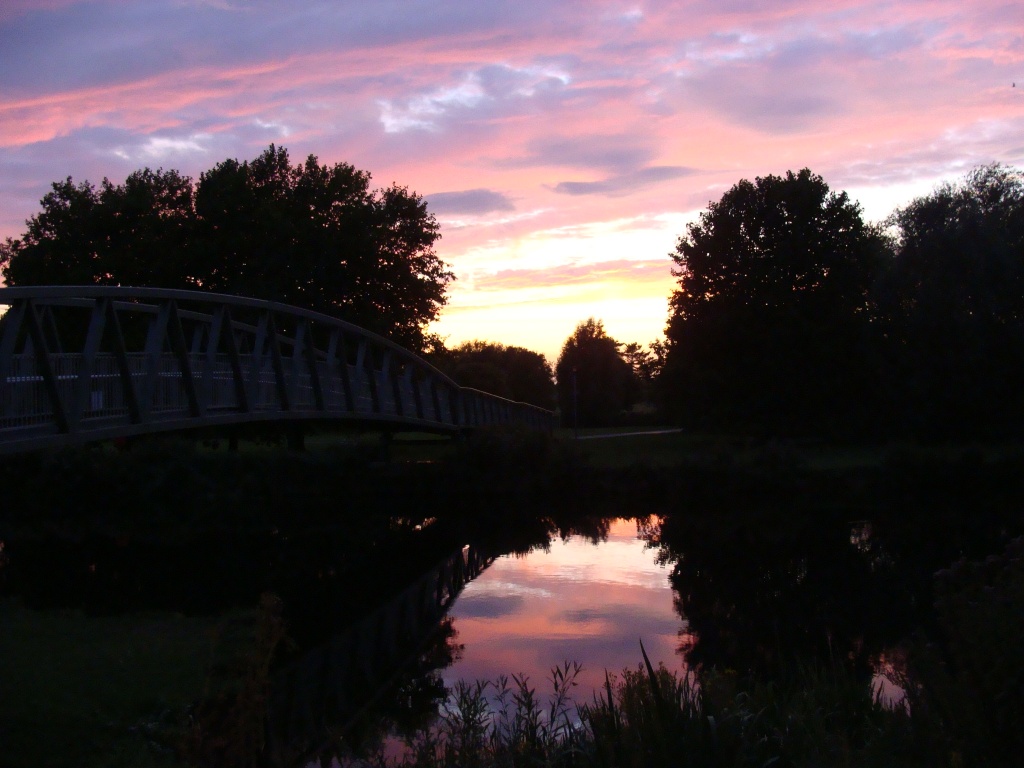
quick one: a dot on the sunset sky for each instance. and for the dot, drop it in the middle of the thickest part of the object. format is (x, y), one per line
(563, 146)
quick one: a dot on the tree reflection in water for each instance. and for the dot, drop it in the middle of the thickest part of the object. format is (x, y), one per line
(765, 586)
(758, 597)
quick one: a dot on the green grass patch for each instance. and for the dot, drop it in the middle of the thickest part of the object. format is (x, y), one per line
(102, 690)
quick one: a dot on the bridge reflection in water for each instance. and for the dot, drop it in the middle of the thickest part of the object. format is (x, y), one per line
(318, 698)
(97, 362)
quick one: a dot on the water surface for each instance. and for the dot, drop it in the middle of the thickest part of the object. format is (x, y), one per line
(578, 599)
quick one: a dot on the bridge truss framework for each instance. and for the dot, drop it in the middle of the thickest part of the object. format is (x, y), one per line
(80, 364)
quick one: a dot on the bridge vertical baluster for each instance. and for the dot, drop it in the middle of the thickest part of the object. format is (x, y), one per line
(458, 398)
(83, 385)
(49, 323)
(428, 396)
(277, 362)
(11, 325)
(364, 364)
(198, 334)
(216, 327)
(198, 362)
(451, 398)
(304, 355)
(152, 353)
(180, 350)
(384, 381)
(45, 369)
(234, 357)
(295, 361)
(417, 396)
(400, 386)
(375, 378)
(319, 401)
(256, 364)
(336, 348)
(129, 392)
(208, 393)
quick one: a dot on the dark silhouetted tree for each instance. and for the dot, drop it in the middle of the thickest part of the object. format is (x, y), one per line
(311, 235)
(138, 233)
(507, 371)
(594, 383)
(952, 308)
(766, 330)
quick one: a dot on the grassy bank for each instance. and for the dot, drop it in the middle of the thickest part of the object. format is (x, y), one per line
(102, 690)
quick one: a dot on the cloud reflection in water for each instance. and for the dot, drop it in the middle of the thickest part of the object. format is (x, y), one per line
(578, 601)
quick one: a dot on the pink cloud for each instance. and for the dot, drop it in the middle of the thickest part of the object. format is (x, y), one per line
(529, 123)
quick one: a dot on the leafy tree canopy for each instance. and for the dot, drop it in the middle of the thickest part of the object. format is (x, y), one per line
(960, 252)
(311, 235)
(774, 246)
(952, 307)
(507, 371)
(595, 384)
(773, 293)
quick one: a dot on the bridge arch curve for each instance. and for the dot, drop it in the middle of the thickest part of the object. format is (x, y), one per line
(84, 363)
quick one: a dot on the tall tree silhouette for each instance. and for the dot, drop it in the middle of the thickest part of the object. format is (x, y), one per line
(594, 383)
(766, 327)
(952, 307)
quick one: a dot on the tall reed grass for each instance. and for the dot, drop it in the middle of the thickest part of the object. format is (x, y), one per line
(652, 716)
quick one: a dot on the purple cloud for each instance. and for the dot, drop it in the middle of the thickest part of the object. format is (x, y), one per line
(624, 183)
(469, 201)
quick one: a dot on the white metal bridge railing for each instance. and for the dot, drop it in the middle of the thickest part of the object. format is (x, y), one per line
(96, 362)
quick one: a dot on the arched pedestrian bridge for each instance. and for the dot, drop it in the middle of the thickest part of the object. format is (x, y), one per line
(79, 364)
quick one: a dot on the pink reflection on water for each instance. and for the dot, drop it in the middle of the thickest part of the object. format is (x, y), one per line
(578, 601)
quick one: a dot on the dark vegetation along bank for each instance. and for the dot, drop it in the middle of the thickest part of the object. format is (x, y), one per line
(154, 599)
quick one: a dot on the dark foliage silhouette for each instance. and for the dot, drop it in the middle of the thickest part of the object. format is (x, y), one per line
(766, 330)
(311, 235)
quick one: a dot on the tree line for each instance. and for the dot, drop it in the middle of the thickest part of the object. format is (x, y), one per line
(795, 317)
(792, 316)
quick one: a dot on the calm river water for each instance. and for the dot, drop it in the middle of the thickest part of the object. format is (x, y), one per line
(384, 614)
(580, 600)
